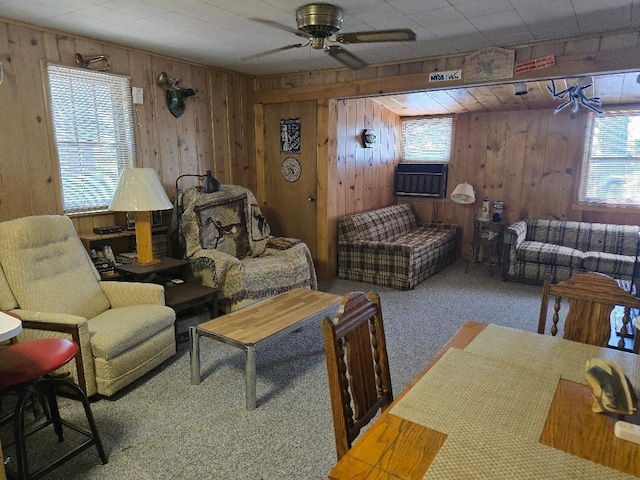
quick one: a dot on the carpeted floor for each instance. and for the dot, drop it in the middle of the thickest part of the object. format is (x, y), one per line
(162, 427)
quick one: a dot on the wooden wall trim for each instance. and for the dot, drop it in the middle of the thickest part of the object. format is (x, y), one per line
(573, 64)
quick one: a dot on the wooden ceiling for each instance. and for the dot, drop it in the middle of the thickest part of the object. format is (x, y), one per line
(614, 89)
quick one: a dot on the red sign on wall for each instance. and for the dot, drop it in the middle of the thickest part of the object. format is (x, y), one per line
(536, 64)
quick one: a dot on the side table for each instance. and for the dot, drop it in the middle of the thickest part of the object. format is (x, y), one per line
(487, 236)
(182, 295)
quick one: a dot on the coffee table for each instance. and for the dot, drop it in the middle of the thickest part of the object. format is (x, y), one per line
(258, 323)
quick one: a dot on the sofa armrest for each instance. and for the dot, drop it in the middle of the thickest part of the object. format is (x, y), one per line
(52, 325)
(515, 233)
(126, 294)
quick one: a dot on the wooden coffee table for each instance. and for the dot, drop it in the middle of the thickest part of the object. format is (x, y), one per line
(258, 323)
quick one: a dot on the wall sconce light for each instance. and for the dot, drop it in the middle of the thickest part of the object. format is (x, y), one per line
(520, 89)
(463, 194)
(368, 138)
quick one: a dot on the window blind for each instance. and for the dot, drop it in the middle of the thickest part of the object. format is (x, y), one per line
(611, 166)
(426, 139)
(93, 131)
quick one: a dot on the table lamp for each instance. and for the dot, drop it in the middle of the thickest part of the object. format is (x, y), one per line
(463, 194)
(140, 191)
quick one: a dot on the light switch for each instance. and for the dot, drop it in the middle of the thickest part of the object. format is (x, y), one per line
(137, 94)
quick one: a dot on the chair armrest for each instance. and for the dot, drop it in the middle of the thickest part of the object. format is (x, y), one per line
(37, 325)
(126, 294)
(211, 266)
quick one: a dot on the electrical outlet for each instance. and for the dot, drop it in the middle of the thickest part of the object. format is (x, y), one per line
(138, 96)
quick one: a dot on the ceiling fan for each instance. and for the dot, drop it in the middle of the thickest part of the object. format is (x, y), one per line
(320, 24)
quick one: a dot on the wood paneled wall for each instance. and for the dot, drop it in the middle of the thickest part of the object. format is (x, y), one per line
(214, 133)
(529, 160)
(365, 175)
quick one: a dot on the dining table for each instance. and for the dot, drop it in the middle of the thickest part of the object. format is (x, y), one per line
(498, 402)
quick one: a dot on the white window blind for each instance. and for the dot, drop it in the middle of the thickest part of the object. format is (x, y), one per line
(93, 130)
(611, 164)
(426, 139)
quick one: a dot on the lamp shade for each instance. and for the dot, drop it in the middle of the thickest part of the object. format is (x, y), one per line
(140, 190)
(464, 194)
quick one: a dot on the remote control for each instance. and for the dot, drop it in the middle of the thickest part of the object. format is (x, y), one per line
(627, 431)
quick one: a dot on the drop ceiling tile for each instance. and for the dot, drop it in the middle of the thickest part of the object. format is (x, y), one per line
(101, 12)
(438, 17)
(478, 8)
(410, 7)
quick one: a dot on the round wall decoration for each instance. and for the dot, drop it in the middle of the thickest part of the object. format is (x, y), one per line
(291, 169)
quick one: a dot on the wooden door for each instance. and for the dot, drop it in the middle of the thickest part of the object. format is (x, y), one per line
(290, 195)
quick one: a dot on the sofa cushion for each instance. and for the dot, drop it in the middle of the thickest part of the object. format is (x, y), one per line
(384, 224)
(617, 266)
(223, 225)
(597, 237)
(550, 254)
(119, 329)
(616, 239)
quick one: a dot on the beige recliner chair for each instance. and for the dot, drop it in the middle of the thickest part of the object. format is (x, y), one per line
(230, 247)
(123, 329)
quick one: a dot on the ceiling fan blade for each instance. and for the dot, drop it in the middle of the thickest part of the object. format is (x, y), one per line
(400, 35)
(280, 26)
(276, 50)
(345, 57)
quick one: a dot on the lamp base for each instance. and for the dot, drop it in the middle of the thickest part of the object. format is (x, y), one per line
(155, 261)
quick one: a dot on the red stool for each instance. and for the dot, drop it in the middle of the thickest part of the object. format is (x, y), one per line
(24, 368)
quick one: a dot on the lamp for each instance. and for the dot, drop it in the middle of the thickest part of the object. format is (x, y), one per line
(210, 185)
(140, 191)
(463, 194)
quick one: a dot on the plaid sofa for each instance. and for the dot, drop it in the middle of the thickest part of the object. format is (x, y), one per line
(534, 247)
(389, 246)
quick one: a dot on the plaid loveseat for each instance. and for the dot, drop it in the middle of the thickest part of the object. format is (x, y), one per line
(534, 247)
(389, 246)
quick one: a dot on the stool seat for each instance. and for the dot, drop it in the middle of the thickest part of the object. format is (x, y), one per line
(26, 361)
(25, 369)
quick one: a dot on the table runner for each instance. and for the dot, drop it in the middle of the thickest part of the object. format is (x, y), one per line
(492, 399)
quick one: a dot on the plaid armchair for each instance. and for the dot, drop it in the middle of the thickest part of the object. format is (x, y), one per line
(389, 246)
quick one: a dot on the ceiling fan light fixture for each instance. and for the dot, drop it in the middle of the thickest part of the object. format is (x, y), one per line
(319, 19)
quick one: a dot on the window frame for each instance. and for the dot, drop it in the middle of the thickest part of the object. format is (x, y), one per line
(584, 198)
(428, 118)
(118, 128)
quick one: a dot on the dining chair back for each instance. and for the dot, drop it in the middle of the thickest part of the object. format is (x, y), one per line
(592, 298)
(357, 366)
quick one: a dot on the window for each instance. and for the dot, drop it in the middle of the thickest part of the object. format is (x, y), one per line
(611, 164)
(426, 139)
(93, 131)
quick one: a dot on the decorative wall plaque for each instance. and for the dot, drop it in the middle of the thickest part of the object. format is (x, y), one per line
(290, 135)
(490, 63)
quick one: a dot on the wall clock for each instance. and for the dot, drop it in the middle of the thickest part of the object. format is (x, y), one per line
(291, 169)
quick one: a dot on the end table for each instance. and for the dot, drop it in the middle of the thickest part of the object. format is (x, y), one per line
(487, 236)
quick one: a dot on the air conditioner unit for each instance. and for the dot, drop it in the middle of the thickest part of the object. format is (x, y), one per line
(421, 180)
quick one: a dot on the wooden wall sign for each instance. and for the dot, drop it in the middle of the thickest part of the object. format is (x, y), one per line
(490, 63)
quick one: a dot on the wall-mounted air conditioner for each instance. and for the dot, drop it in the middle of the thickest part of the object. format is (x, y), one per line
(421, 180)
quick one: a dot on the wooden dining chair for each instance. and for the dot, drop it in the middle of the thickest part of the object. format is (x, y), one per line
(357, 366)
(591, 298)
